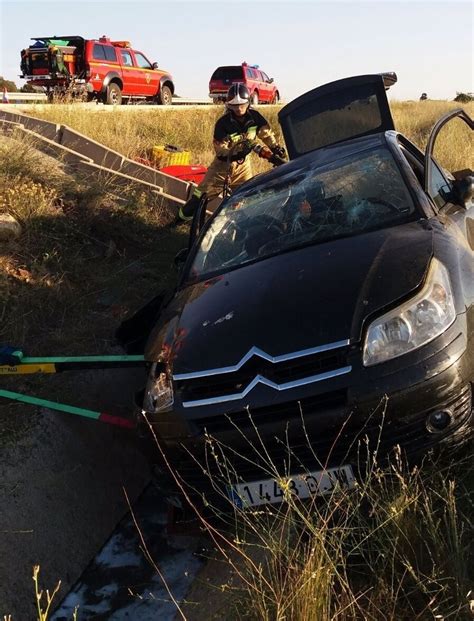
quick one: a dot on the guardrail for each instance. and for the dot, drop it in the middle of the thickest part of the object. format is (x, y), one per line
(41, 98)
(25, 97)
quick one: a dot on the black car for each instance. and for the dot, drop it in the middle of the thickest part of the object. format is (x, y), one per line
(328, 301)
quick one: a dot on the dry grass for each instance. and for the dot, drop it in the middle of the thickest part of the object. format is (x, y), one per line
(398, 547)
(454, 148)
(134, 132)
(86, 258)
(84, 252)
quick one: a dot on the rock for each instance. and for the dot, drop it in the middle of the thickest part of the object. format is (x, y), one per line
(9, 227)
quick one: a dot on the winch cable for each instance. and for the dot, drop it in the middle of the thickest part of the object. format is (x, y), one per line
(13, 362)
(102, 417)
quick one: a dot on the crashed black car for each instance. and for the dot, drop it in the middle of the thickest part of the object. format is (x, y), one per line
(336, 291)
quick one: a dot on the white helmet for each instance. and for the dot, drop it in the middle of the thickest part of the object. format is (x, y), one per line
(238, 94)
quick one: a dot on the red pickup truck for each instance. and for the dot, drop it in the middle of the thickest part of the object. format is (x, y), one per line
(109, 71)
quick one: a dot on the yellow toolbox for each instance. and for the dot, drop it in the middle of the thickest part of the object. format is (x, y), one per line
(168, 155)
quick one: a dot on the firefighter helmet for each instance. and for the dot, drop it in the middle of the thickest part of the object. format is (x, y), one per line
(238, 94)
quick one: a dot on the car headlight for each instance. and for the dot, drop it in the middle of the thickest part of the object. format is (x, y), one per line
(413, 324)
(158, 391)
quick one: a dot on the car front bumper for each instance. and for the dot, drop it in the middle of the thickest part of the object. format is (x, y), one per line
(346, 420)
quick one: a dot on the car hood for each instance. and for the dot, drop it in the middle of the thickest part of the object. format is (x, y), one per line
(304, 298)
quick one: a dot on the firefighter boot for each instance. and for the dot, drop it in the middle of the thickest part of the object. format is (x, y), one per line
(186, 212)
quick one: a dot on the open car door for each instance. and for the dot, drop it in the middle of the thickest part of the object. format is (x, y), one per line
(337, 111)
(431, 167)
(454, 192)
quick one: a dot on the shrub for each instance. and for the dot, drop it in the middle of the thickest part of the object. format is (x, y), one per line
(463, 97)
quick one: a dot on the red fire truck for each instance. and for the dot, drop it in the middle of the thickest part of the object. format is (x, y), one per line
(110, 71)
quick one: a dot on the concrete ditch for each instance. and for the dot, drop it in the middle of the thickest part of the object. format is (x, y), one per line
(61, 487)
(82, 153)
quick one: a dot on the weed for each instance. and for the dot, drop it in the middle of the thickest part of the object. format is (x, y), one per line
(45, 598)
(397, 546)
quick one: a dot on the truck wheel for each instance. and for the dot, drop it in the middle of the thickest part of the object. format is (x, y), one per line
(254, 98)
(113, 95)
(165, 96)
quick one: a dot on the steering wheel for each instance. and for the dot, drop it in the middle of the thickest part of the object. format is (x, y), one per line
(262, 230)
(380, 201)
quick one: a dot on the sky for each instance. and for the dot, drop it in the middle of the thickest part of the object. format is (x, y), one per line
(301, 44)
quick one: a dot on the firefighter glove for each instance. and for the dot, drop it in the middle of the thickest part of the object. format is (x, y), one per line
(263, 152)
(279, 151)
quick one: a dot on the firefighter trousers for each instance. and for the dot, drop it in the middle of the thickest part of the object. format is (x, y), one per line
(214, 181)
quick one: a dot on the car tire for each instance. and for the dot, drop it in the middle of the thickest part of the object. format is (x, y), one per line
(113, 95)
(276, 98)
(165, 96)
(254, 98)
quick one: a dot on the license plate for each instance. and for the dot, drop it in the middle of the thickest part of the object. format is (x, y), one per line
(307, 485)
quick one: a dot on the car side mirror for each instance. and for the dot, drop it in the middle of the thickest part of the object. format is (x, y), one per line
(180, 258)
(155, 65)
(463, 190)
(270, 81)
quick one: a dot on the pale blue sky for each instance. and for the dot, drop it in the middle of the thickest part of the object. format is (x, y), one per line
(302, 44)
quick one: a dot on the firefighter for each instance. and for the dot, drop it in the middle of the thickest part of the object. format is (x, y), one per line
(234, 139)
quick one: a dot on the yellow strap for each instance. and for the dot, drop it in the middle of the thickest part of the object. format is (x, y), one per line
(26, 369)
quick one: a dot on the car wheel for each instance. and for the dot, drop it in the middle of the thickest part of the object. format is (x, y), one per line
(254, 98)
(276, 98)
(165, 96)
(113, 95)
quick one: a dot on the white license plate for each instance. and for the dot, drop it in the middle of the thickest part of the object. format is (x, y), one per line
(307, 485)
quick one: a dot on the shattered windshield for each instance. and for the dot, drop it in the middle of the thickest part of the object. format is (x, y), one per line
(359, 193)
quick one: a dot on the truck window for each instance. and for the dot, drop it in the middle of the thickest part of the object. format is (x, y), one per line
(110, 53)
(126, 58)
(227, 73)
(142, 62)
(98, 53)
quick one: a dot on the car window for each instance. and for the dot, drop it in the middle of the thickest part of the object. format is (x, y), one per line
(110, 53)
(142, 62)
(439, 186)
(265, 77)
(98, 52)
(227, 73)
(356, 194)
(126, 58)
